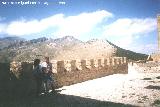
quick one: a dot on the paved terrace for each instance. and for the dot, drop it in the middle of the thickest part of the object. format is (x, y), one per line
(134, 88)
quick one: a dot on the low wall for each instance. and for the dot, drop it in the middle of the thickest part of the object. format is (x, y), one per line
(16, 79)
(4, 77)
(156, 57)
(75, 71)
(149, 67)
(18, 76)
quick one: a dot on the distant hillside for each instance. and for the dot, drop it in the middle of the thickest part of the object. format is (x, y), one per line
(36, 48)
(129, 54)
(9, 41)
(67, 41)
(88, 50)
(63, 48)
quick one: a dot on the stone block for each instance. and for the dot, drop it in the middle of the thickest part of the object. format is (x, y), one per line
(113, 61)
(54, 66)
(125, 60)
(16, 68)
(109, 61)
(105, 62)
(78, 64)
(60, 66)
(83, 64)
(96, 63)
(92, 63)
(88, 64)
(120, 60)
(67, 65)
(73, 65)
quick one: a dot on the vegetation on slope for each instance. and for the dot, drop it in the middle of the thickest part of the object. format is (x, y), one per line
(129, 54)
(65, 48)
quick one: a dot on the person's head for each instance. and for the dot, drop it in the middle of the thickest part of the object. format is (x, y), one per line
(47, 59)
(44, 67)
(36, 62)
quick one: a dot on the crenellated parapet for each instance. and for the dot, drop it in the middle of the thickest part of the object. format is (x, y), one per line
(73, 65)
(17, 77)
(16, 68)
(74, 71)
(82, 64)
(69, 72)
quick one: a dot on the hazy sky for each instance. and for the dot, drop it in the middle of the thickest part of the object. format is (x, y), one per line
(130, 24)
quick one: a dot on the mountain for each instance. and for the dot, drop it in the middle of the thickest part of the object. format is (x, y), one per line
(67, 40)
(95, 49)
(37, 48)
(9, 41)
(89, 50)
(66, 48)
(129, 54)
(39, 40)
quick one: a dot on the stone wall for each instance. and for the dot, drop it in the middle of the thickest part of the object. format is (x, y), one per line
(156, 57)
(16, 79)
(18, 76)
(149, 67)
(4, 77)
(75, 71)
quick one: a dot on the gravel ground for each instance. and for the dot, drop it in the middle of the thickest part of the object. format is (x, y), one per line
(137, 89)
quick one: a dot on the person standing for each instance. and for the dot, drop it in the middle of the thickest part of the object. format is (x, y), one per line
(37, 73)
(48, 75)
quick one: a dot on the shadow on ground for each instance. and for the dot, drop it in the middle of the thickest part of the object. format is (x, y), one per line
(147, 79)
(158, 77)
(156, 103)
(57, 100)
(153, 87)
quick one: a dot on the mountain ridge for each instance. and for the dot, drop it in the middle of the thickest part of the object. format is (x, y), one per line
(130, 54)
(65, 48)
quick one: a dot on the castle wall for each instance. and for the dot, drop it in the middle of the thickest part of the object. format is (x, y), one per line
(82, 70)
(18, 75)
(156, 57)
(4, 77)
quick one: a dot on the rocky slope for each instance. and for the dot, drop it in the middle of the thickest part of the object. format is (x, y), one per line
(63, 48)
(88, 50)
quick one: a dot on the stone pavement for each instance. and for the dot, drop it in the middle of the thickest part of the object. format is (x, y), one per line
(137, 89)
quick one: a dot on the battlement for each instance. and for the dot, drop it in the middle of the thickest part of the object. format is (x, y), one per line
(66, 72)
(73, 65)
